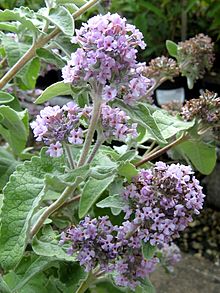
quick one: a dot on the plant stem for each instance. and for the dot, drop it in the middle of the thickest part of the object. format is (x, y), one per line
(86, 283)
(96, 147)
(155, 86)
(43, 40)
(161, 151)
(75, 198)
(150, 148)
(3, 62)
(53, 207)
(69, 156)
(91, 130)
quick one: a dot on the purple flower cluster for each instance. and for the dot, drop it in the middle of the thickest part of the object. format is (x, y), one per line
(93, 242)
(160, 203)
(171, 255)
(163, 200)
(98, 242)
(107, 57)
(56, 125)
(132, 267)
(116, 124)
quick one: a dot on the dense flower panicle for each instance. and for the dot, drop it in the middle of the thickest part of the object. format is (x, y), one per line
(98, 242)
(171, 255)
(108, 57)
(115, 123)
(132, 267)
(163, 200)
(55, 125)
(161, 67)
(160, 203)
(93, 242)
(206, 108)
(195, 56)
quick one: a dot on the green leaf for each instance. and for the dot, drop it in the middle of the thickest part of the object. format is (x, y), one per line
(39, 265)
(6, 26)
(127, 170)
(23, 14)
(201, 155)
(112, 201)
(103, 165)
(146, 286)
(148, 250)
(149, 6)
(56, 89)
(5, 98)
(22, 196)
(63, 42)
(61, 17)
(91, 192)
(3, 286)
(190, 81)
(7, 166)
(32, 70)
(141, 114)
(14, 50)
(172, 48)
(170, 125)
(76, 2)
(128, 155)
(59, 182)
(50, 57)
(50, 249)
(116, 211)
(13, 128)
(107, 287)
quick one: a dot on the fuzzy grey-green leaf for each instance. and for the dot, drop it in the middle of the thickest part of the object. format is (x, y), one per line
(91, 192)
(112, 201)
(54, 90)
(61, 17)
(22, 196)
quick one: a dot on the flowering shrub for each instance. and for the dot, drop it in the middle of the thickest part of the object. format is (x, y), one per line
(90, 208)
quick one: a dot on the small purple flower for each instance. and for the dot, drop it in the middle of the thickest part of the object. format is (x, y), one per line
(76, 136)
(109, 93)
(55, 150)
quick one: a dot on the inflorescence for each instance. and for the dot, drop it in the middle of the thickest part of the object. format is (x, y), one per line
(107, 58)
(55, 125)
(206, 108)
(195, 56)
(161, 67)
(159, 203)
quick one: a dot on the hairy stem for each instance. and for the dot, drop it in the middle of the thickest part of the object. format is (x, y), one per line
(155, 86)
(74, 199)
(41, 42)
(150, 148)
(91, 130)
(161, 151)
(53, 207)
(96, 147)
(69, 156)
